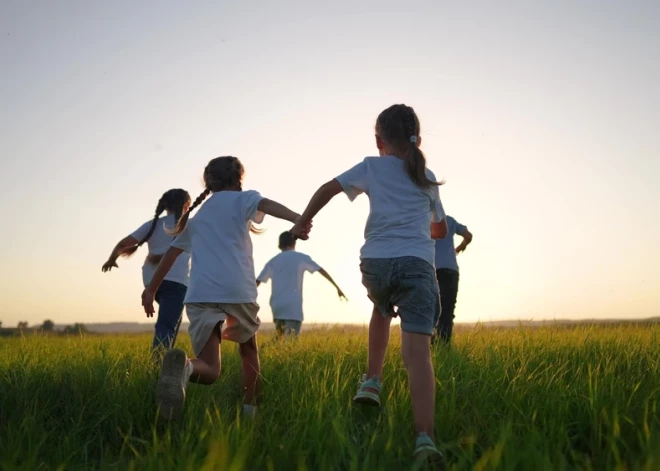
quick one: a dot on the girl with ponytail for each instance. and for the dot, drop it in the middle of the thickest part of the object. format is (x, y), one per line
(222, 284)
(174, 203)
(397, 260)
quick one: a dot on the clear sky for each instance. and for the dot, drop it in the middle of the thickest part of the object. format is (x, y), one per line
(542, 117)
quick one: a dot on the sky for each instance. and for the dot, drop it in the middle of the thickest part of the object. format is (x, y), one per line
(542, 117)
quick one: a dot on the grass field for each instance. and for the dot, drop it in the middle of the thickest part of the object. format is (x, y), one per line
(550, 398)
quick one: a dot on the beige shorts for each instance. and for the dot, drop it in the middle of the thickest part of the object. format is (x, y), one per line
(242, 322)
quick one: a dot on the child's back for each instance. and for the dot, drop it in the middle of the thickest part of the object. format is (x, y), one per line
(400, 211)
(218, 237)
(287, 270)
(158, 244)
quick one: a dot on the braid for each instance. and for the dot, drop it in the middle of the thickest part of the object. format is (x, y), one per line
(160, 207)
(183, 220)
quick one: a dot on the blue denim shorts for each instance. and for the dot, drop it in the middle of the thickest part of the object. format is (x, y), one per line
(407, 284)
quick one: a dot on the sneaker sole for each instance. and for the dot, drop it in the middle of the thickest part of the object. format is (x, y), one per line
(429, 460)
(366, 400)
(170, 394)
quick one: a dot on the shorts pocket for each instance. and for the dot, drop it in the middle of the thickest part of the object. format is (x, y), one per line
(371, 282)
(418, 293)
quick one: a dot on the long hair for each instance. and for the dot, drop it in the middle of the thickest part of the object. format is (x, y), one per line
(173, 200)
(221, 174)
(399, 126)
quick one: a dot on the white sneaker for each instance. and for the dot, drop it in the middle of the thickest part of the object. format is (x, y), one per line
(249, 411)
(171, 388)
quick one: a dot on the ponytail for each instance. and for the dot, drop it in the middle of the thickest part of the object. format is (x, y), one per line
(399, 126)
(182, 221)
(416, 167)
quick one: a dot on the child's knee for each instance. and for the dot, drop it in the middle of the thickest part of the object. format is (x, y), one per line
(215, 371)
(415, 348)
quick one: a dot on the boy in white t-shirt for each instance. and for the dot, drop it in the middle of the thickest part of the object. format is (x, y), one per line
(287, 271)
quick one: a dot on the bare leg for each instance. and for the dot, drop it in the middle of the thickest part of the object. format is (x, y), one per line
(206, 368)
(379, 337)
(251, 370)
(415, 349)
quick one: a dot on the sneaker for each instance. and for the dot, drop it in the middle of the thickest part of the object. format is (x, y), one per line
(171, 388)
(249, 411)
(426, 454)
(368, 391)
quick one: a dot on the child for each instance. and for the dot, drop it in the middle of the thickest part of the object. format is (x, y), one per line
(172, 290)
(287, 271)
(397, 259)
(221, 287)
(446, 269)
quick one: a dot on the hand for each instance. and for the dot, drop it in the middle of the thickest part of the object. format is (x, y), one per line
(301, 229)
(148, 302)
(460, 248)
(107, 266)
(342, 296)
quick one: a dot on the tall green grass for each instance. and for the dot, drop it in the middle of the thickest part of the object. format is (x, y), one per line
(550, 398)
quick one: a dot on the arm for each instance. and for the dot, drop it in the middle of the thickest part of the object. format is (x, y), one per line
(163, 267)
(467, 239)
(277, 210)
(126, 243)
(322, 197)
(327, 276)
(439, 229)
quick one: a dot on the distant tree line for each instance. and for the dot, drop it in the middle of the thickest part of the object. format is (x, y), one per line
(48, 326)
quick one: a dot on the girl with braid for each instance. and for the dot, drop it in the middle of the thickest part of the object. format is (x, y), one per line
(172, 291)
(222, 287)
(397, 261)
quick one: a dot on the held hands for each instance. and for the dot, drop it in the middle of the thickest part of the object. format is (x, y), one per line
(148, 302)
(107, 266)
(301, 229)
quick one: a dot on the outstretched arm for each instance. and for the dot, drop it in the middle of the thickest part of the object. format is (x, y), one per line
(277, 210)
(122, 245)
(163, 267)
(322, 197)
(467, 239)
(327, 276)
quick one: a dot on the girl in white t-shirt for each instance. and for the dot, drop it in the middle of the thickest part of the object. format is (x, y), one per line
(172, 291)
(222, 284)
(397, 260)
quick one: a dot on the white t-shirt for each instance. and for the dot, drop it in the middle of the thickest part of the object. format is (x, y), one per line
(401, 213)
(218, 237)
(158, 244)
(287, 271)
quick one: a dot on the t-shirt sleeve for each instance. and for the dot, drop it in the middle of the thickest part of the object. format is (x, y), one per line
(265, 274)
(437, 211)
(460, 228)
(141, 232)
(310, 265)
(354, 181)
(251, 200)
(183, 240)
